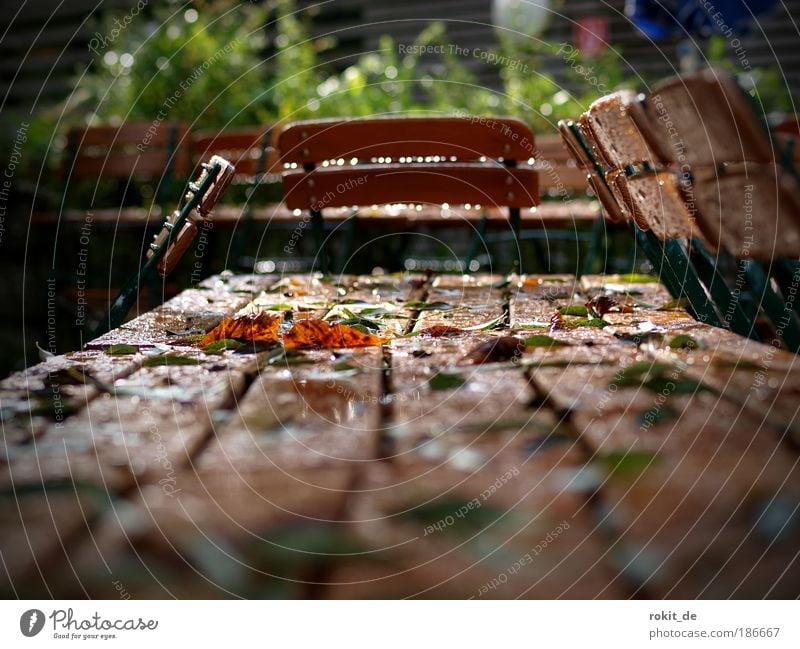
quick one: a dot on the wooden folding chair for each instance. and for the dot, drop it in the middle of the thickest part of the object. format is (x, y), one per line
(131, 155)
(417, 160)
(747, 198)
(112, 177)
(257, 165)
(634, 183)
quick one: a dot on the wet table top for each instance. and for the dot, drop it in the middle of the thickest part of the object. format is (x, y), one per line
(536, 436)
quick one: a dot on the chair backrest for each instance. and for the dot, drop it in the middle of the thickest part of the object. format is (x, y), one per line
(133, 151)
(580, 146)
(619, 139)
(559, 174)
(251, 150)
(694, 152)
(708, 121)
(636, 173)
(366, 161)
(745, 202)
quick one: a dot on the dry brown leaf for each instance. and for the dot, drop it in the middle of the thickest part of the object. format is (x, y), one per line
(496, 350)
(441, 331)
(319, 333)
(252, 327)
(601, 304)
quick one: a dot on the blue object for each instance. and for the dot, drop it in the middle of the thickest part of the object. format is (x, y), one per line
(669, 18)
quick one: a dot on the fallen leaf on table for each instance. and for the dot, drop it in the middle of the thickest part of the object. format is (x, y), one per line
(684, 342)
(252, 327)
(544, 341)
(496, 350)
(418, 305)
(318, 333)
(219, 346)
(601, 304)
(169, 359)
(574, 309)
(556, 322)
(441, 331)
(445, 381)
(121, 350)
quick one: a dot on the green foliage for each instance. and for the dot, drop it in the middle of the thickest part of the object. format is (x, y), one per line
(201, 67)
(765, 85)
(541, 99)
(378, 83)
(208, 67)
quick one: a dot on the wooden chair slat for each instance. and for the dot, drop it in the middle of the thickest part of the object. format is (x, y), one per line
(378, 184)
(135, 133)
(656, 203)
(467, 138)
(708, 120)
(150, 164)
(751, 210)
(614, 211)
(243, 147)
(618, 140)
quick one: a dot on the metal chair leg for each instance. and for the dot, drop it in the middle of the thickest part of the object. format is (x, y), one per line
(595, 245)
(780, 314)
(727, 304)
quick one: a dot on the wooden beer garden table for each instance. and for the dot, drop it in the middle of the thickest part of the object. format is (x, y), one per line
(622, 451)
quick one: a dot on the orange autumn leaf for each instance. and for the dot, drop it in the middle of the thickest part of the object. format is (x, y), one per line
(318, 333)
(252, 327)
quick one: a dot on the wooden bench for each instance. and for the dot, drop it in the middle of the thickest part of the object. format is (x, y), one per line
(426, 161)
(132, 154)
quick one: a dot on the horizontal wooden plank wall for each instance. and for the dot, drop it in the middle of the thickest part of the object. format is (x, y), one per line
(358, 25)
(58, 34)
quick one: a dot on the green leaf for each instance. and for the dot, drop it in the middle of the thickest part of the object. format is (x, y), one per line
(531, 325)
(444, 381)
(356, 321)
(353, 301)
(628, 463)
(635, 373)
(451, 515)
(219, 346)
(574, 309)
(666, 386)
(658, 414)
(344, 366)
(636, 278)
(684, 341)
(639, 338)
(169, 359)
(183, 332)
(379, 312)
(496, 323)
(429, 306)
(278, 307)
(675, 305)
(541, 340)
(121, 350)
(659, 378)
(43, 353)
(360, 327)
(194, 339)
(283, 356)
(737, 363)
(588, 322)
